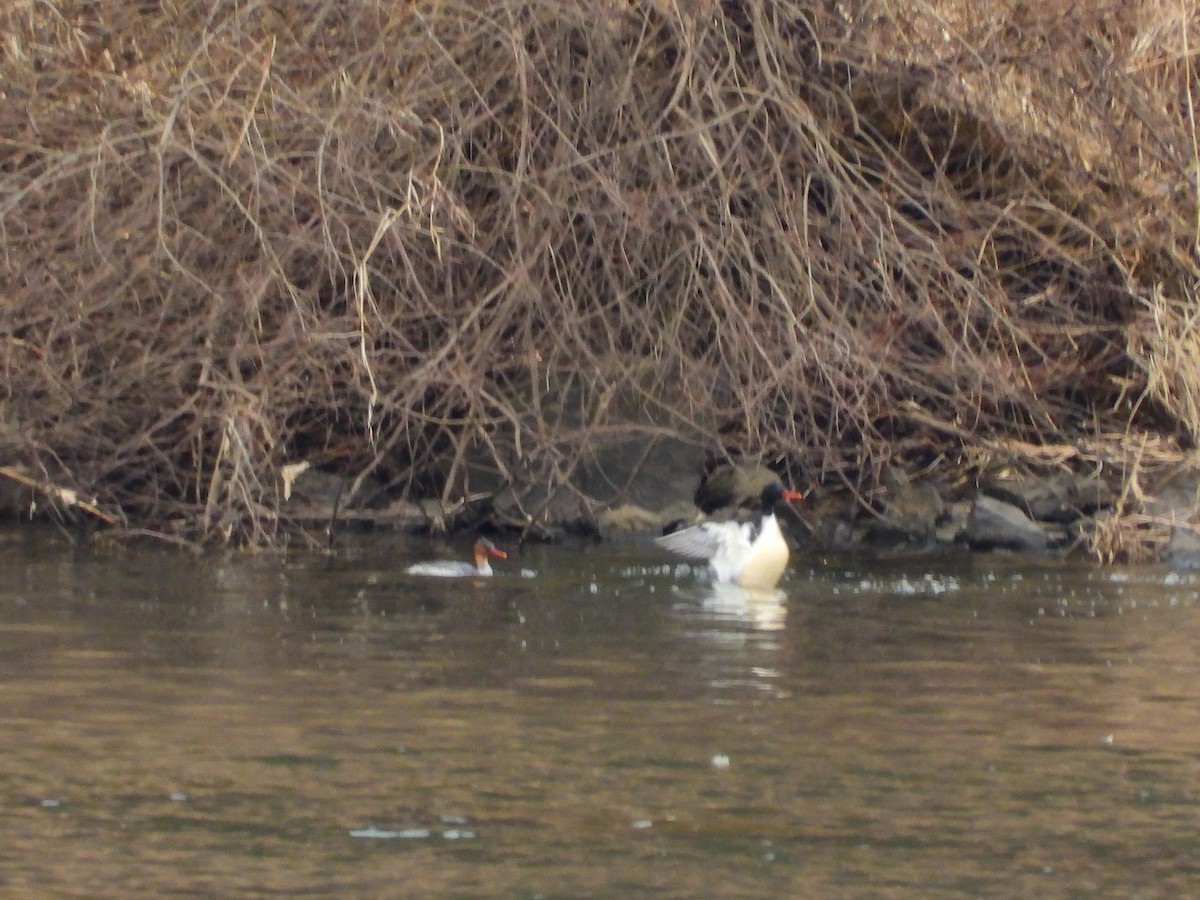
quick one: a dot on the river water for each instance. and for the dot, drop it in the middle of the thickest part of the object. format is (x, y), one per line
(594, 721)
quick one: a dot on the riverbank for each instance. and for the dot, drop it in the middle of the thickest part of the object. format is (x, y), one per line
(458, 264)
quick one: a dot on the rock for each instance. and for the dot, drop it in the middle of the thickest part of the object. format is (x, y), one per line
(1093, 494)
(1175, 499)
(314, 487)
(1183, 550)
(954, 521)
(653, 472)
(630, 519)
(614, 453)
(836, 533)
(623, 484)
(1175, 502)
(317, 488)
(731, 491)
(536, 507)
(16, 499)
(996, 525)
(1062, 497)
(909, 512)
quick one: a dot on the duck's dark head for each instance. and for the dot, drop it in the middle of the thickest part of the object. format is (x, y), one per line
(774, 492)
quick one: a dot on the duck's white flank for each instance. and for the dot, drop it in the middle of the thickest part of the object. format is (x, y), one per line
(456, 569)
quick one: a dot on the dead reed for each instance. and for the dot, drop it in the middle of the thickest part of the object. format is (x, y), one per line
(395, 239)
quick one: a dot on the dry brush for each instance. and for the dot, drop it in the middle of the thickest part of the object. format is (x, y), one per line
(388, 238)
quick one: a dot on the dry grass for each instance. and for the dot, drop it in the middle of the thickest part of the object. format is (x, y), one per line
(393, 238)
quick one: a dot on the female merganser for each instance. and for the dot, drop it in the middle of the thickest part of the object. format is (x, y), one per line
(454, 569)
(751, 554)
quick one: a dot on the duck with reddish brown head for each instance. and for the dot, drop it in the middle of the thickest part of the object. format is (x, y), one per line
(482, 550)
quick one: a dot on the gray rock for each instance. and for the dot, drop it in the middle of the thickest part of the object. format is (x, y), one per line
(319, 489)
(954, 522)
(1062, 497)
(996, 525)
(621, 485)
(652, 472)
(1175, 499)
(909, 513)
(1183, 550)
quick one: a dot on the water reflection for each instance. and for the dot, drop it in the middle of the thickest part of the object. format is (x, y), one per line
(761, 610)
(261, 724)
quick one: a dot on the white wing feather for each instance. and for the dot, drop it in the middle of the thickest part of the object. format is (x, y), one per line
(705, 541)
(747, 553)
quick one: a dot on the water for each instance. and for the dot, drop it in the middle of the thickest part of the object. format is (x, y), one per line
(262, 725)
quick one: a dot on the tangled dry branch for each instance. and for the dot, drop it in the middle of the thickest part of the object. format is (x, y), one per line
(394, 239)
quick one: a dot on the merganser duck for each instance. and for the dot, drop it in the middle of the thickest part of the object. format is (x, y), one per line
(750, 554)
(456, 569)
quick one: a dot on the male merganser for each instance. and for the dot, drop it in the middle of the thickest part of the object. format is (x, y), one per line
(454, 569)
(751, 554)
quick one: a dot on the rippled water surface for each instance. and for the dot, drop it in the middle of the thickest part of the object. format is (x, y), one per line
(592, 722)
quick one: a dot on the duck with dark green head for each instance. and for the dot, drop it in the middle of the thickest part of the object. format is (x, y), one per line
(751, 553)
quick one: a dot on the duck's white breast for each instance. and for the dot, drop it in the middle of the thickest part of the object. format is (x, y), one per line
(764, 561)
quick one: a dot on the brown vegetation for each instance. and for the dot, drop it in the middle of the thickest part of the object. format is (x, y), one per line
(385, 237)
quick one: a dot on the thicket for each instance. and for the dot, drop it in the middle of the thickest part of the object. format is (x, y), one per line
(386, 237)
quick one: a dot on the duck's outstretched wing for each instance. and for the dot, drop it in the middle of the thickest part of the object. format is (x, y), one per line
(703, 541)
